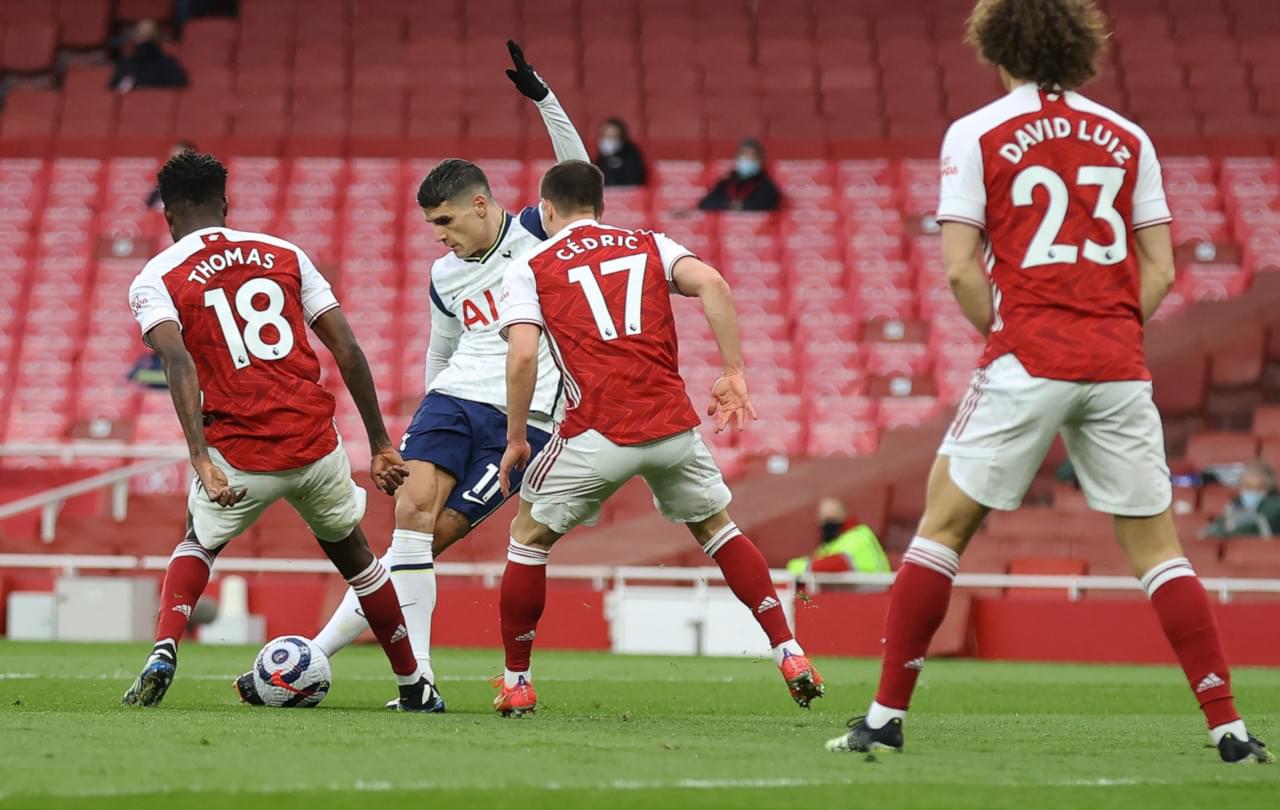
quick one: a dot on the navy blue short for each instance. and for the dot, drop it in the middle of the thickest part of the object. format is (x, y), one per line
(465, 439)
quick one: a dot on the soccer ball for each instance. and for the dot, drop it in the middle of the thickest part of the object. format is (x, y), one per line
(291, 672)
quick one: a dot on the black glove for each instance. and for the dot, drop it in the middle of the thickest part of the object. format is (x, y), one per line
(525, 78)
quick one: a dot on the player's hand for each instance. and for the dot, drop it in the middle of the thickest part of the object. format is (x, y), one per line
(214, 482)
(729, 399)
(515, 458)
(388, 470)
(525, 78)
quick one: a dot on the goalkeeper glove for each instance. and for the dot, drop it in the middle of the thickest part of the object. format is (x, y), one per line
(525, 78)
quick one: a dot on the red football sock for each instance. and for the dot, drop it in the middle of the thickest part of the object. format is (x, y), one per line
(524, 595)
(1188, 621)
(917, 605)
(381, 608)
(184, 581)
(747, 575)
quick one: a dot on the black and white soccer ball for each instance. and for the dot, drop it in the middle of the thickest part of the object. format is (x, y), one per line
(291, 672)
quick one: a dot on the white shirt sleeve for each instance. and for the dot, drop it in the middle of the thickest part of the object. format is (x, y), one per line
(519, 300)
(317, 293)
(445, 333)
(670, 251)
(1149, 204)
(565, 139)
(962, 196)
(151, 303)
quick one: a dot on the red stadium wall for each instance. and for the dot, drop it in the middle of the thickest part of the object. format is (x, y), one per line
(1039, 627)
(1011, 628)
(1036, 628)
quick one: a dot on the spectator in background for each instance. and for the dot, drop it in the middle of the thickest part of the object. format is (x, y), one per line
(1255, 510)
(153, 199)
(845, 544)
(146, 63)
(618, 158)
(748, 187)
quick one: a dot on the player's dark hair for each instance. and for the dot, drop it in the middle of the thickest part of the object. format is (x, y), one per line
(1049, 42)
(574, 185)
(450, 180)
(192, 178)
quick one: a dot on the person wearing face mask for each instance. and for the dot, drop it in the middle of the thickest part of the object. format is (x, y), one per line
(748, 187)
(846, 544)
(1255, 510)
(619, 159)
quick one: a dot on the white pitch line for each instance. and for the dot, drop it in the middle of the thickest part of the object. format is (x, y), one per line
(125, 676)
(383, 786)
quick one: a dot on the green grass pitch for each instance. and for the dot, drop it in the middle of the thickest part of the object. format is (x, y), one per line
(615, 732)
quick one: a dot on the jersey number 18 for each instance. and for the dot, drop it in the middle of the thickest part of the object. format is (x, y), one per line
(251, 342)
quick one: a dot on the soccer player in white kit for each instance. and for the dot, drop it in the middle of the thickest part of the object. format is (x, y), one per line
(455, 441)
(1055, 235)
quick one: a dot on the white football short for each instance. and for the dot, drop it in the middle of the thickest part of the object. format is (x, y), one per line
(322, 493)
(1004, 426)
(568, 481)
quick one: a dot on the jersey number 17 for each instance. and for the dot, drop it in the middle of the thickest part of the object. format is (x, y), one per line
(585, 277)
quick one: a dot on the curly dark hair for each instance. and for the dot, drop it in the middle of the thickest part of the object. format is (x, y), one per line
(192, 178)
(1049, 42)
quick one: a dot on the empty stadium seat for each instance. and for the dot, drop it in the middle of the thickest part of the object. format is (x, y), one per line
(1208, 449)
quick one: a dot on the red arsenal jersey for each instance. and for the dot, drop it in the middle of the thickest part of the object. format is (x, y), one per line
(1059, 184)
(602, 296)
(243, 302)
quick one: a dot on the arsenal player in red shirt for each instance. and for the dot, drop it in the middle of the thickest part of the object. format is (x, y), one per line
(1055, 235)
(602, 297)
(227, 312)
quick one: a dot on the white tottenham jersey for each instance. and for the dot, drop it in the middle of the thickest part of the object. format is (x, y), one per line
(464, 298)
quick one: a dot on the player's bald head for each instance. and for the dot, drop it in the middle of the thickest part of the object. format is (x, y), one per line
(453, 180)
(192, 180)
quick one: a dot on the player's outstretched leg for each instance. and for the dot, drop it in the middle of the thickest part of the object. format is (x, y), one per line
(184, 581)
(746, 572)
(372, 585)
(1186, 615)
(917, 605)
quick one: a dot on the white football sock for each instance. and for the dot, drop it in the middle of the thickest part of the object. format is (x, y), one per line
(878, 715)
(512, 678)
(1235, 728)
(413, 573)
(790, 646)
(345, 625)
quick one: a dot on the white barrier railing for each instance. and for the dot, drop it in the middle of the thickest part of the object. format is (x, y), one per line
(50, 501)
(67, 452)
(604, 576)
